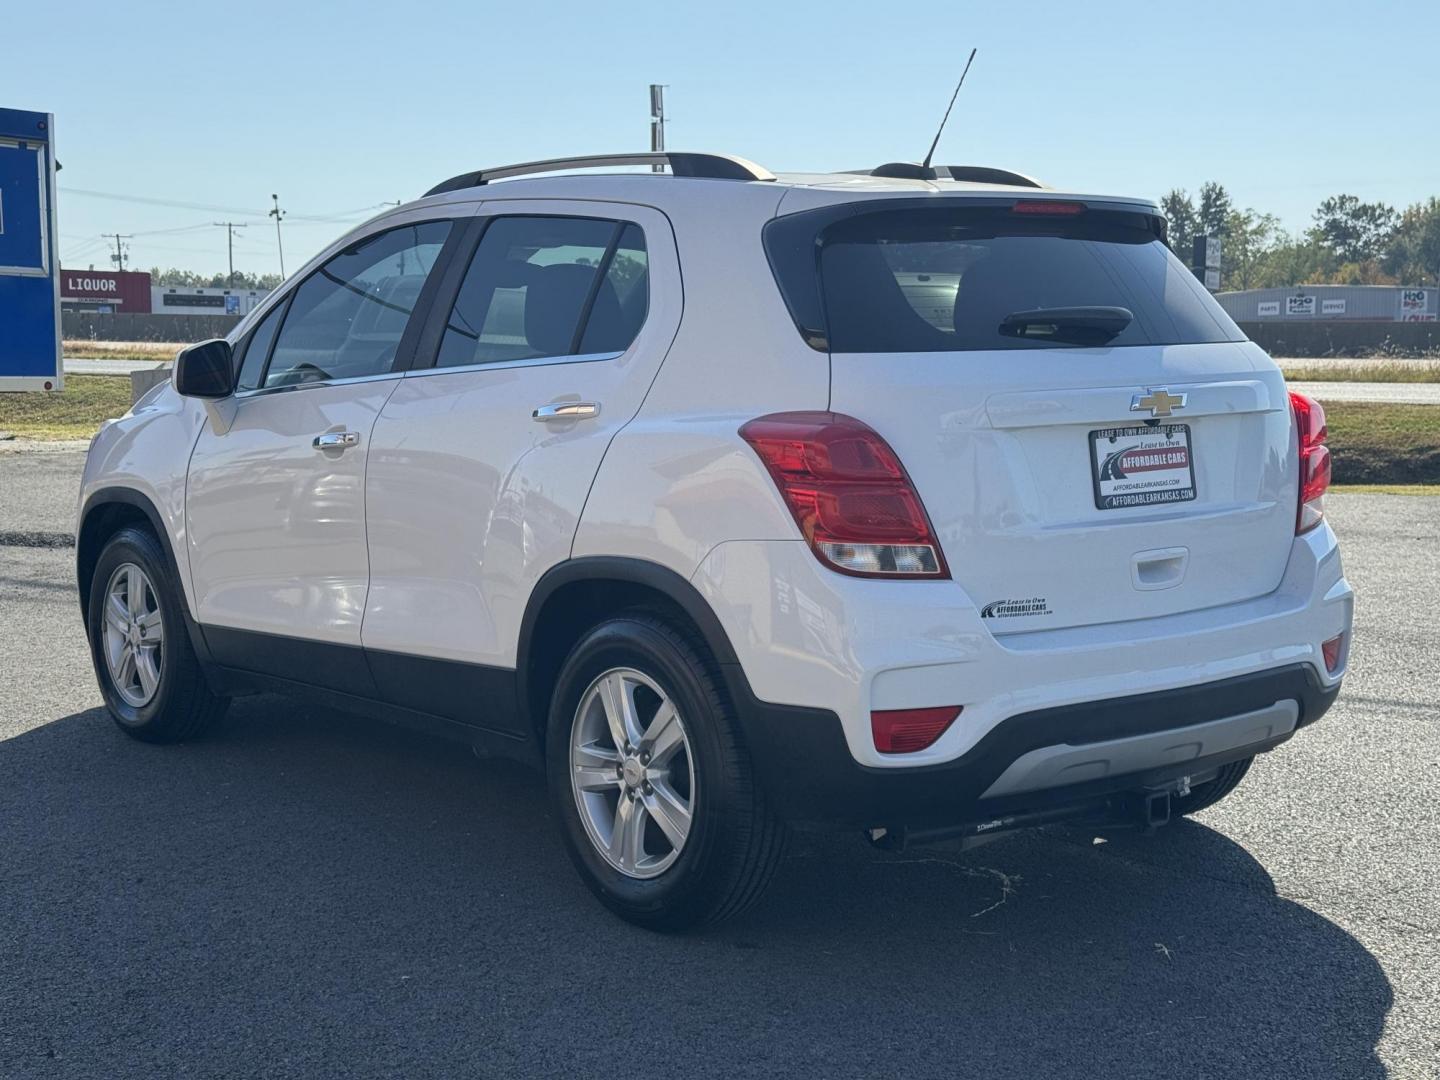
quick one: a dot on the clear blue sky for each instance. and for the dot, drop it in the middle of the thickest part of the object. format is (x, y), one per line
(338, 106)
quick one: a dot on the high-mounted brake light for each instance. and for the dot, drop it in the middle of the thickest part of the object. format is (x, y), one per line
(1314, 461)
(849, 494)
(1039, 206)
(904, 731)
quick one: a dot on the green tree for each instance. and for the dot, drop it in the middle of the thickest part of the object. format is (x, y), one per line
(1215, 209)
(1249, 239)
(1292, 260)
(174, 277)
(1179, 212)
(1355, 231)
(1413, 255)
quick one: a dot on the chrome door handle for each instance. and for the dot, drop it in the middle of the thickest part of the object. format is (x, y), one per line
(567, 410)
(335, 440)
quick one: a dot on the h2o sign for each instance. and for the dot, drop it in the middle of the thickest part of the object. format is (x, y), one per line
(1300, 305)
(1414, 306)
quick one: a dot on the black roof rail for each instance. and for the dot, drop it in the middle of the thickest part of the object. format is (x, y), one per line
(984, 174)
(709, 166)
(978, 174)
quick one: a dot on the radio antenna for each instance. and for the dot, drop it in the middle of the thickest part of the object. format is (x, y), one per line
(926, 163)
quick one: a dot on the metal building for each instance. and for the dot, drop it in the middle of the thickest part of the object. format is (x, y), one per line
(1340, 303)
(189, 300)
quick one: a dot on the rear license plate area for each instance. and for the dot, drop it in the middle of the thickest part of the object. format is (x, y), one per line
(1142, 465)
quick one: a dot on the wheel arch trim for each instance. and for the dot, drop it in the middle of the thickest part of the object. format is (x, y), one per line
(624, 571)
(96, 502)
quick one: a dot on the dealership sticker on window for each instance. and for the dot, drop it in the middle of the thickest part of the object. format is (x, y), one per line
(1142, 466)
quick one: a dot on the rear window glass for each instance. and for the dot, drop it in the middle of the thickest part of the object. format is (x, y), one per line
(941, 280)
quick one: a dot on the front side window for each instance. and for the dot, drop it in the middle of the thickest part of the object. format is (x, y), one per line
(257, 349)
(542, 287)
(346, 320)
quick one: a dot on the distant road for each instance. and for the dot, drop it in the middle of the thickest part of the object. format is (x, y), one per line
(1401, 393)
(81, 366)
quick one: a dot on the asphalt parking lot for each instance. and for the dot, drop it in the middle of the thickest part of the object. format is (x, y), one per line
(311, 894)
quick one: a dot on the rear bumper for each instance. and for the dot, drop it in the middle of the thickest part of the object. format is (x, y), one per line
(810, 776)
(809, 637)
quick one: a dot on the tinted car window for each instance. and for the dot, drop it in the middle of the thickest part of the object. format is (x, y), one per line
(612, 327)
(257, 349)
(347, 318)
(940, 280)
(533, 283)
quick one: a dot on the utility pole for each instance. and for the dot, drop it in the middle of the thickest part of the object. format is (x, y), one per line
(277, 214)
(657, 122)
(119, 257)
(230, 227)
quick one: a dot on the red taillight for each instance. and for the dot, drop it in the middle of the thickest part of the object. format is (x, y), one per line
(903, 731)
(1038, 206)
(1332, 651)
(1314, 461)
(849, 493)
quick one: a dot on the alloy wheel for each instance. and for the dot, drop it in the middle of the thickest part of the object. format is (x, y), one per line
(133, 635)
(632, 773)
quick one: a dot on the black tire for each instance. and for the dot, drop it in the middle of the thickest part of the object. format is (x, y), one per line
(182, 706)
(1211, 792)
(735, 841)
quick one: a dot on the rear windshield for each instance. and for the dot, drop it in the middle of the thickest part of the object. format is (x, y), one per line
(955, 280)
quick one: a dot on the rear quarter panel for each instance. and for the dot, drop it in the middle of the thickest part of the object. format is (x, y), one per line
(678, 480)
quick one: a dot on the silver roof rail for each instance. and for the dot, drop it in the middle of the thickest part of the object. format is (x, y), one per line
(710, 166)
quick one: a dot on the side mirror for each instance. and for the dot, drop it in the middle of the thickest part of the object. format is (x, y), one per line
(205, 370)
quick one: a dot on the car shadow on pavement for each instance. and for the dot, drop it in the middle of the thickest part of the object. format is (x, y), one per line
(311, 894)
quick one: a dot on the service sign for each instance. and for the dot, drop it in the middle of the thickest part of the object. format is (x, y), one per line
(1332, 307)
(1300, 305)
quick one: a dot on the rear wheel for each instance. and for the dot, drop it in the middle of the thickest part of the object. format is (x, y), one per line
(147, 670)
(1211, 792)
(655, 791)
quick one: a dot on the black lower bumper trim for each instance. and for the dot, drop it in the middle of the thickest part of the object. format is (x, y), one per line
(810, 776)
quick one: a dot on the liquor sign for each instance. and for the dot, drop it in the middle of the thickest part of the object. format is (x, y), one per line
(124, 290)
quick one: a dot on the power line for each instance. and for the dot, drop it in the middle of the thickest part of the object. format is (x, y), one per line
(277, 214)
(144, 200)
(230, 227)
(119, 257)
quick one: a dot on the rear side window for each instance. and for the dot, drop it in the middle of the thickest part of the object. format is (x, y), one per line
(541, 287)
(956, 280)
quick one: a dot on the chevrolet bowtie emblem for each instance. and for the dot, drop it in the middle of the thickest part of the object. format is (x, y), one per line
(1158, 400)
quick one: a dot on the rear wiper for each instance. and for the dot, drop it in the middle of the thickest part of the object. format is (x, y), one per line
(1072, 325)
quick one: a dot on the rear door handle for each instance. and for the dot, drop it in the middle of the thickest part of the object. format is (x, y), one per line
(335, 440)
(566, 410)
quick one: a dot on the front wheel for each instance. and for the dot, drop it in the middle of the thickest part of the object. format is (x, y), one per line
(146, 667)
(655, 792)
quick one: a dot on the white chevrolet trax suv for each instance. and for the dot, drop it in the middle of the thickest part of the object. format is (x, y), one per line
(929, 502)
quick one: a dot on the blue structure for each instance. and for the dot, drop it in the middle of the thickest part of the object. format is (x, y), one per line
(29, 259)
